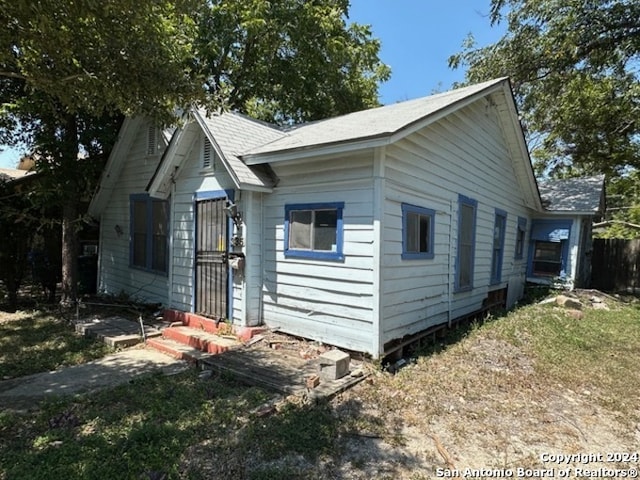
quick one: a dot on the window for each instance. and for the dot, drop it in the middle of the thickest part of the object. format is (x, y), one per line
(149, 233)
(499, 227)
(466, 242)
(547, 259)
(417, 232)
(314, 230)
(520, 238)
(549, 247)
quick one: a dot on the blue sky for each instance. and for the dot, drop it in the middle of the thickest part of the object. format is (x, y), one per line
(417, 36)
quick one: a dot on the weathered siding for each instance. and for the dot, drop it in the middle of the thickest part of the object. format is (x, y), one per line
(252, 274)
(115, 274)
(329, 301)
(464, 153)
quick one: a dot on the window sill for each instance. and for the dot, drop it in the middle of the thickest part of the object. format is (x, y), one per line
(463, 289)
(418, 256)
(314, 255)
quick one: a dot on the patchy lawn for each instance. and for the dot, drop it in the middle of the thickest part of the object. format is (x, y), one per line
(497, 396)
(38, 341)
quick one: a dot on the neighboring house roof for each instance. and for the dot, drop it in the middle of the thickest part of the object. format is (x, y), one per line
(575, 195)
(9, 174)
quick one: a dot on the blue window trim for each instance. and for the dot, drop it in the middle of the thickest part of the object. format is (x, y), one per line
(522, 228)
(315, 254)
(500, 216)
(214, 194)
(429, 254)
(462, 200)
(145, 197)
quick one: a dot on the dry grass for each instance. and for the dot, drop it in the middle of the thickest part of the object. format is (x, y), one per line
(536, 380)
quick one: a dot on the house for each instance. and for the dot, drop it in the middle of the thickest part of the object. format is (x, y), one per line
(561, 247)
(358, 231)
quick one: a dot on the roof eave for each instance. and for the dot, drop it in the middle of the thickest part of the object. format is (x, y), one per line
(114, 165)
(166, 167)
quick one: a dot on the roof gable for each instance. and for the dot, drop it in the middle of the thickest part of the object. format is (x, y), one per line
(229, 133)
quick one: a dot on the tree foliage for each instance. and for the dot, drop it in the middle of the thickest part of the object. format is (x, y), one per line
(288, 60)
(574, 65)
(69, 71)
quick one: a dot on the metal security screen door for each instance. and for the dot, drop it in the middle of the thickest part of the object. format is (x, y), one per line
(211, 258)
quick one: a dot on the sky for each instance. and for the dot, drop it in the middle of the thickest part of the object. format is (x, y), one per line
(417, 38)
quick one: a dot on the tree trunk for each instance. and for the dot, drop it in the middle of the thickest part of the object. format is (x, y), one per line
(70, 213)
(69, 252)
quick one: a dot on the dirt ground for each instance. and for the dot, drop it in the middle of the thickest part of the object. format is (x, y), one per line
(486, 426)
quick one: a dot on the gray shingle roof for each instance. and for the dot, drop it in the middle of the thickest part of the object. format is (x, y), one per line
(235, 133)
(573, 194)
(367, 124)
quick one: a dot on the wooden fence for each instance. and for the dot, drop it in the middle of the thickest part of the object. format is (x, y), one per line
(615, 265)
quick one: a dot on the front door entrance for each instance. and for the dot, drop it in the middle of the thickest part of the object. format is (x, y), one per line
(211, 259)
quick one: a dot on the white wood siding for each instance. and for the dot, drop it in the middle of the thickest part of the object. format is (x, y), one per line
(464, 153)
(191, 179)
(325, 300)
(251, 302)
(115, 274)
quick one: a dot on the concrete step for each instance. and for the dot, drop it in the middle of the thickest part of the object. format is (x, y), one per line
(117, 332)
(178, 350)
(200, 339)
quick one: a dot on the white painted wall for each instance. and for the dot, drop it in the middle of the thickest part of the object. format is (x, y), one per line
(115, 274)
(325, 300)
(464, 153)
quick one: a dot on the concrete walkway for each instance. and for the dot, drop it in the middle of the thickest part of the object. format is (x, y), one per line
(117, 368)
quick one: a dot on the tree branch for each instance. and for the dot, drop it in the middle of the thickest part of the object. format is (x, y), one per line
(12, 75)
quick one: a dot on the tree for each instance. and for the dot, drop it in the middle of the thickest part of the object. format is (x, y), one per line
(574, 65)
(288, 61)
(70, 70)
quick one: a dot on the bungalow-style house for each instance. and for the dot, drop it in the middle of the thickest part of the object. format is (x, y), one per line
(357, 231)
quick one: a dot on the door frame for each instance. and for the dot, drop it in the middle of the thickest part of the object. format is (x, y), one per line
(229, 195)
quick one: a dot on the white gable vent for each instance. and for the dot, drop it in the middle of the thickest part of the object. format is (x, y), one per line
(152, 140)
(208, 154)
